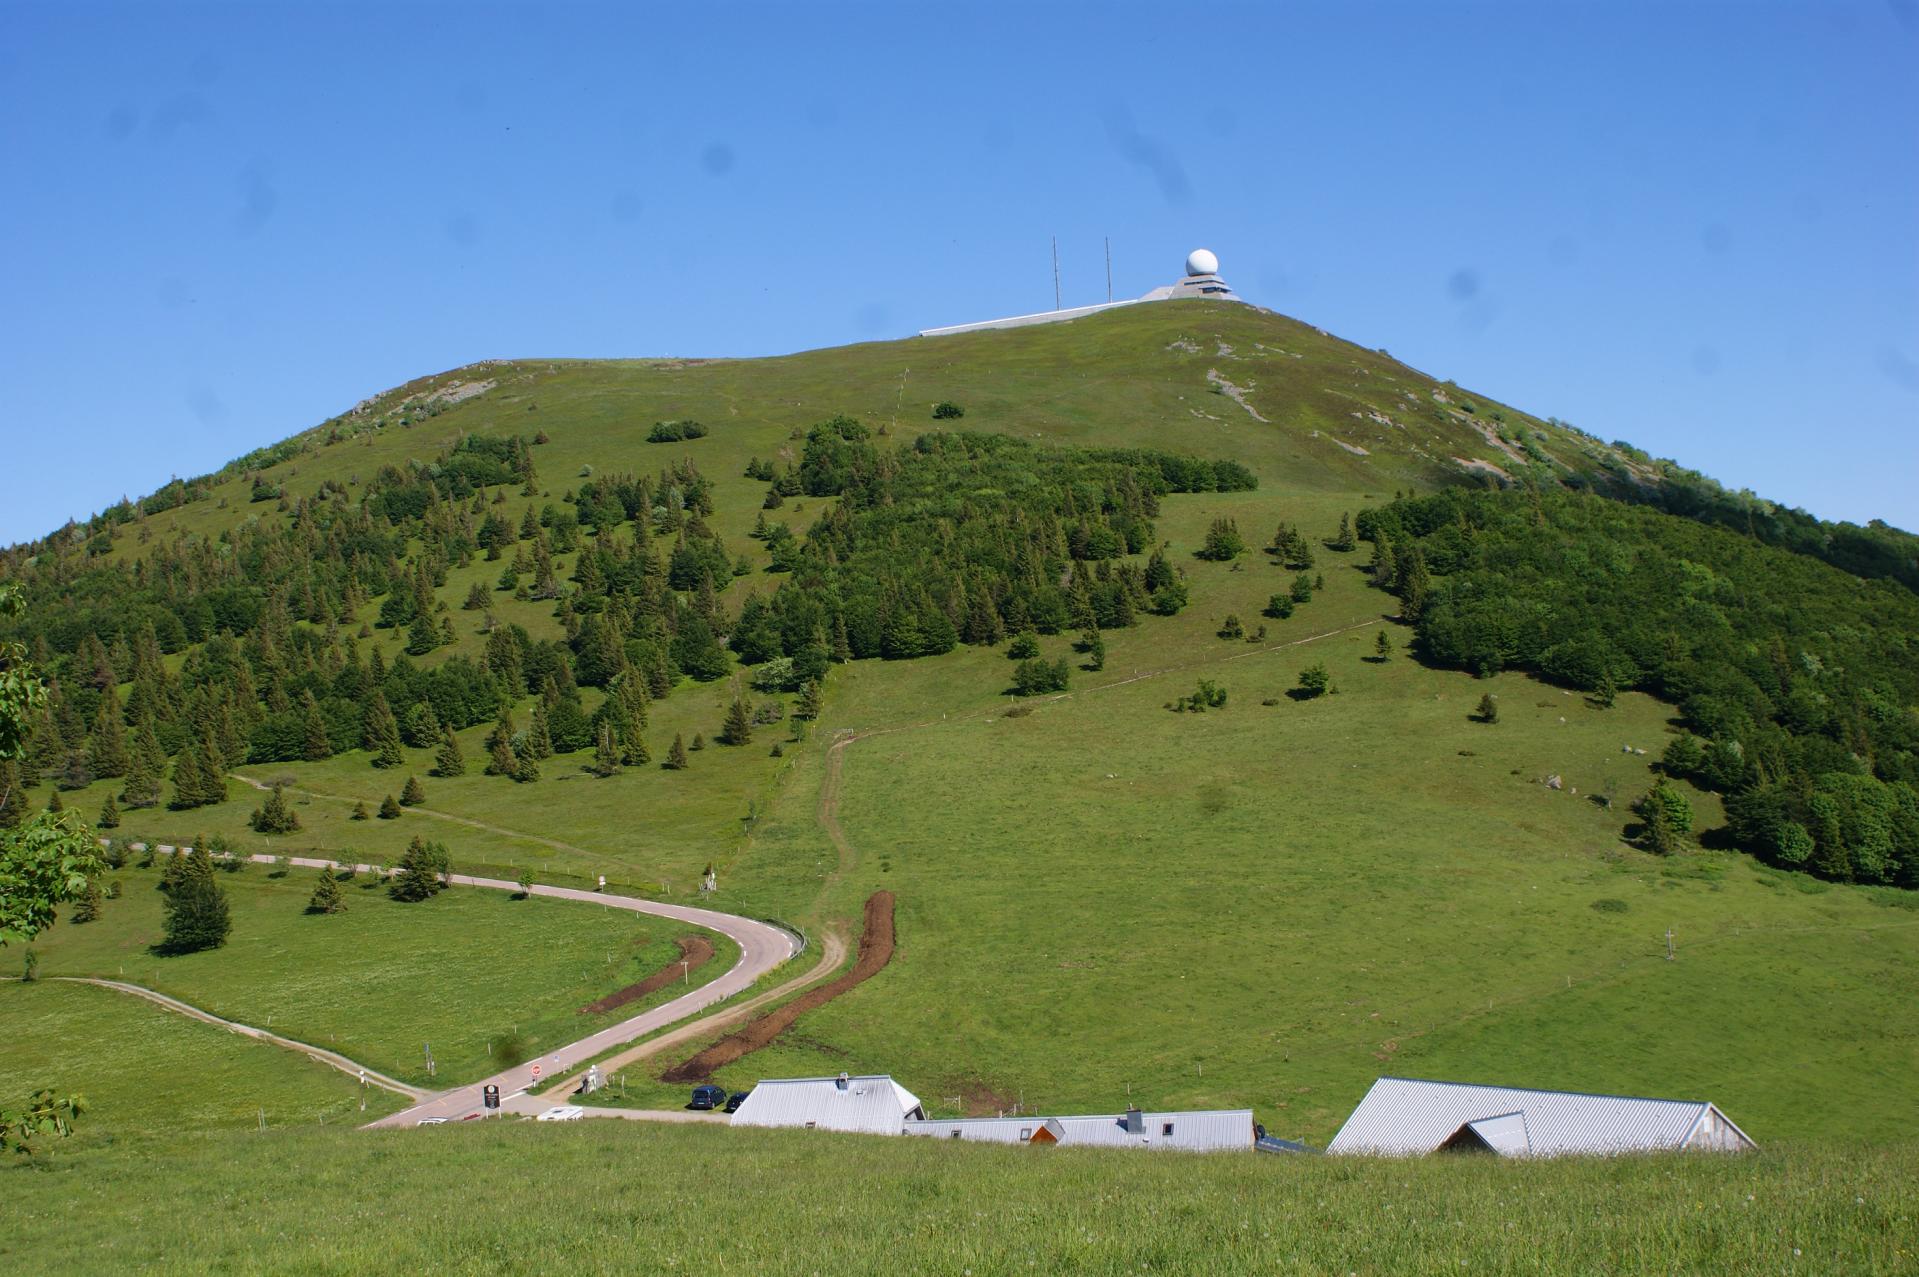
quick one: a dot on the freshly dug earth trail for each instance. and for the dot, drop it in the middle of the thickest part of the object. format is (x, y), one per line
(695, 952)
(876, 950)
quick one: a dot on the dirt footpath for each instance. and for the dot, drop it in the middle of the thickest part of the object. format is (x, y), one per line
(876, 950)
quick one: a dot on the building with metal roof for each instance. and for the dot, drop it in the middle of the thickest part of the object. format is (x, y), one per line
(1204, 1131)
(1403, 1117)
(875, 1105)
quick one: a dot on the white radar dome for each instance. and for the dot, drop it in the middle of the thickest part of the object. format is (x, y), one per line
(1201, 262)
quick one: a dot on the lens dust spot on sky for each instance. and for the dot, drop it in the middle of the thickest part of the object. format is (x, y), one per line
(206, 405)
(626, 206)
(717, 159)
(1463, 284)
(1715, 237)
(1705, 360)
(122, 120)
(178, 112)
(462, 228)
(1901, 371)
(1562, 250)
(257, 199)
(1147, 153)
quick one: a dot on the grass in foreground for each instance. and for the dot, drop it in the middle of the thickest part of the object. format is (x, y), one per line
(524, 1198)
(465, 971)
(145, 1070)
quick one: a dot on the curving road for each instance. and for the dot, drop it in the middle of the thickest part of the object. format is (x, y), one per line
(762, 947)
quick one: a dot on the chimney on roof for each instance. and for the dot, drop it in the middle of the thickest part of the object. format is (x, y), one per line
(1135, 1122)
(841, 1081)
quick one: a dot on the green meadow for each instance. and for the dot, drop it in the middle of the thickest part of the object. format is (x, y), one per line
(614, 1197)
(473, 974)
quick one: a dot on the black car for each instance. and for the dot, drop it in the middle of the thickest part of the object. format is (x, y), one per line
(708, 1097)
(735, 1100)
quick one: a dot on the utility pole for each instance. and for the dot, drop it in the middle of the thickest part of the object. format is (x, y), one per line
(1055, 272)
(1109, 268)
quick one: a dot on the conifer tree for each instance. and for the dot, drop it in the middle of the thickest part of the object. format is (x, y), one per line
(606, 756)
(142, 788)
(501, 760)
(810, 702)
(633, 751)
(1343, 540)
(88, 909)
(423, 872)
(389, 810)
(318, 744)
(676, 755)
(526, 770)
(54, 804)
(274, 816)
(109, 814)
(738, 729)
(538, 743)
(326, 896)
(1382, 646)
(107, 750)
(699, 742)
(172, 871)
(449, 761)
(13, 795)
(413, 793)
(197, 915)
(383, 733)
(359, 812)
(1487, 711)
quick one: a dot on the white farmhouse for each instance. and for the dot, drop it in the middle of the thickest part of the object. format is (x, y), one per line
(875, 1105)
(1408, 1117)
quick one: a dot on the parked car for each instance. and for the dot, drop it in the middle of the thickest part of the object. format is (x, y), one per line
(738, 1098)
(431, 1121)
(562, 1113)
(708, 1097)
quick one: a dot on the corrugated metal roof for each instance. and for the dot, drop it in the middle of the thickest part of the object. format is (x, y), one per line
(1402, 1116)
(1200, 1132)
(875, 1105)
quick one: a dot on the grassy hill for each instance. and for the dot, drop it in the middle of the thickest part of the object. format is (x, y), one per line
(1098, 895)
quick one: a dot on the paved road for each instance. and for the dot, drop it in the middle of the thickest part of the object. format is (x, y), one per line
(763, 946)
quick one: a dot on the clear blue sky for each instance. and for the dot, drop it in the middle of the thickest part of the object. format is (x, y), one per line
(1693, 226)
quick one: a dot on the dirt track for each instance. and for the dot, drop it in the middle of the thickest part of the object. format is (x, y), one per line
(876, 950)
(695, 952)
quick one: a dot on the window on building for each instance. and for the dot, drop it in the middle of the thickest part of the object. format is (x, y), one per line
(1165, 1128)
(1026, 1132)
(956, 1133)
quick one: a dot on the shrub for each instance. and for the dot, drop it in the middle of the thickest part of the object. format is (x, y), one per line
(947, 410)
(1314, 681)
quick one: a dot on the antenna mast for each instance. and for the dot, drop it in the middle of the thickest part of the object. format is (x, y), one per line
(1109, 268)
(1055, 272)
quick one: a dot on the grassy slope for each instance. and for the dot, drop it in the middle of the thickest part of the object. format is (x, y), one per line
(1250, 887)
(145, 1070)
(526, 1198)
(378, 981)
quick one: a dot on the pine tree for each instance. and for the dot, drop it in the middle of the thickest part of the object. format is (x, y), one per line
(389, 810)
(109, 814)
(810, 702)
(88, 909)
(318, 744)
(383, 733)
(538, 743)
(738, 729)
(501, 760)
(413, 793)
(449, 761)
(633, 751)
(326, 896)
(423, 872)
(606, 757)
(274, 816)
(173, 870)
(197, 916)
(13, 795)
(699, 742)
(676, 755)
(1487, 711)
(359, 812)
(107, 751)
(1343, 540)
(189, 779)
(54, 805)
(1382, 646)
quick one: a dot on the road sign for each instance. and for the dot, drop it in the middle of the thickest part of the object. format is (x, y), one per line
(536, 1073)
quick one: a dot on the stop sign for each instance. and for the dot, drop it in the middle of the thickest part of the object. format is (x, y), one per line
(536, 1073)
